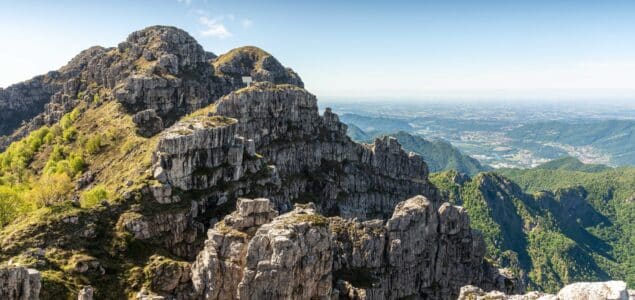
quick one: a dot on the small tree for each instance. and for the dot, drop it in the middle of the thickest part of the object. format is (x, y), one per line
(10, 203)
(93, 196)
(51, 189)
(93, 144)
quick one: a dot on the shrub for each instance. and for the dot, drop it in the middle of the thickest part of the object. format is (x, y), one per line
(69, 134)
(93, 144)
(54, 132)
(10, 205)
(51, 189)
(93, 196)
(76, 162)
(69, 118)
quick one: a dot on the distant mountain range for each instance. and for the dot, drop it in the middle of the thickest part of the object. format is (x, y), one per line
(613, 137)
(505, 142)
(375, 126)
(440, 155)
(569, 163)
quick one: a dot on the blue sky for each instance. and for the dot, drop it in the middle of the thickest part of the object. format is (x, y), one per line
(357, 49)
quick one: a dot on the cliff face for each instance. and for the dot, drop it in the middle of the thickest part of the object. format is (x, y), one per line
(291, 206)
(421, 251)
(268, 140)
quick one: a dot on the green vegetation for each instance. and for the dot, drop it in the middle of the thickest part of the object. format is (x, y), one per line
(438, 154)
(39, 189)
(570, 163)
(93, 144)
(50, 189)
(561, 222)
(94, 196)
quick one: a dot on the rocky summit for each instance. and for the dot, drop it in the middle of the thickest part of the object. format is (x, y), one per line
(166, 176)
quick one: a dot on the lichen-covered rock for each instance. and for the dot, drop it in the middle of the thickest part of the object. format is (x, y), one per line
(168, 276)
(251, 213)
(289, 258)
(218, 268)
(470, 292)
(148, 122)
(86, 293)
(19, 283)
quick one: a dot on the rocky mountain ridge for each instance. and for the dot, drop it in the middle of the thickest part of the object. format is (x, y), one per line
(187, 184)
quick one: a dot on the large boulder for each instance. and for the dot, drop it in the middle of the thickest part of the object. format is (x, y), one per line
(609, 290)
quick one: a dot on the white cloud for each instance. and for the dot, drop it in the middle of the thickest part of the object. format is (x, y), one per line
(187, 2)
(246, 23)
(214, 27)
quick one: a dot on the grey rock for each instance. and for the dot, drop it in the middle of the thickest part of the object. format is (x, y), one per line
(614, 290)
(19, 283)
(300, 254)
(160, 67)
(86, 293)
(610, 290)
(148, 122)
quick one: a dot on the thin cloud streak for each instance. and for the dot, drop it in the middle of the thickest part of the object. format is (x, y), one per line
(214, 27)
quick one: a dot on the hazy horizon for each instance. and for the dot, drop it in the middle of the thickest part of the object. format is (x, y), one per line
(555, 50)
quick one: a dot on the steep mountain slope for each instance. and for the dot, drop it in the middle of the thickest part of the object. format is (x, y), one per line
(554, 238)
(610, 192)
(158, 142)
(356, 133)
(376, 126)
(438, 154)
(159, 69)
(570, 163)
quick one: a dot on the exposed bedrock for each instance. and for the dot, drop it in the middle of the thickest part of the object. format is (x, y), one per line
(421, 251)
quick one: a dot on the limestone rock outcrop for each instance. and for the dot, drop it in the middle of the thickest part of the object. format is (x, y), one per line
(218, 268)
(315, 157)
(422, 251)
(292, 207)
(19, 283)
(608, 290)
(161, 68)
(256, 63)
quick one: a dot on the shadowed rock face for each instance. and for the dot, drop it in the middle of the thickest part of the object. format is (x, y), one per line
(19, 283)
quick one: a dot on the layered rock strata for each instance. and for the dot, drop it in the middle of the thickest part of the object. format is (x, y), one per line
(19, 283)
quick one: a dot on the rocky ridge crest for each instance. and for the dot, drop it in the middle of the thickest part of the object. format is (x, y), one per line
(317, 215)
